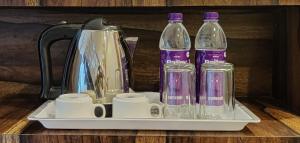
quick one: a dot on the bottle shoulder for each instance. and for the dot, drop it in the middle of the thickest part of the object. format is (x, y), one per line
(175, 36)
(211, 27)
(210, 36)
(174, 28)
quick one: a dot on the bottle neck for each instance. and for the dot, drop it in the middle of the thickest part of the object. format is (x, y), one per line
(175, 21)
(211, 20)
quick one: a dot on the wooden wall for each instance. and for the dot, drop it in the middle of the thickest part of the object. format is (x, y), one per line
(251, 34)
(145, 3)
(293, 59)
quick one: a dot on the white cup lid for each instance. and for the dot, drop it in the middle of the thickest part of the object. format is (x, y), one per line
(131, 97)
(74, 97)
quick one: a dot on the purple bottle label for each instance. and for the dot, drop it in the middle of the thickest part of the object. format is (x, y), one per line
(204, 56)
(168, 56)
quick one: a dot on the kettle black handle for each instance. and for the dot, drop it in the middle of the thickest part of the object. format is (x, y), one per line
(46, 39)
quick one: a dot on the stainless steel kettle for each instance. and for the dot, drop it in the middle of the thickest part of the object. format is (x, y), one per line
(98, 60)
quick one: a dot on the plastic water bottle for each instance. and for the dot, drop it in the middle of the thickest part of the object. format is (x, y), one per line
(174, 45)
(210, 45)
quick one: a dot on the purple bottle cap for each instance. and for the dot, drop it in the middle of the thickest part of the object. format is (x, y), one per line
(175, 16)
(211, 16)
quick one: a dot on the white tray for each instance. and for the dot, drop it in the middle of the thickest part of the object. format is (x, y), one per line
(45, 115)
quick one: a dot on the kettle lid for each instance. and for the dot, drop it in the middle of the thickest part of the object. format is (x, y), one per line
(95, 24)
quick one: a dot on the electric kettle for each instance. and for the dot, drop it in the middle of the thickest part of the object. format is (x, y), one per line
(97, 62)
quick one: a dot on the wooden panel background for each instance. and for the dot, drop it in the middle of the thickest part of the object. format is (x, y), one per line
(231, 2)
(250, 33)
(19, 2)
(293, 58)
(221, 2)
(289, 2)
(103, 3)
(60, 2)
(145, 3)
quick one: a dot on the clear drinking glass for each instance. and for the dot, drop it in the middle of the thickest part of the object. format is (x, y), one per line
(179, 91)
(217, 99)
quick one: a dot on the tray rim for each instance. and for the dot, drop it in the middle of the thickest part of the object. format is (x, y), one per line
(32, 117)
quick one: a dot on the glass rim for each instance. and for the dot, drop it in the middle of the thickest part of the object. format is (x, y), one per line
(217, 66)
(175, 66)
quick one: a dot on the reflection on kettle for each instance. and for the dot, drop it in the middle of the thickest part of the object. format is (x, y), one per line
(98, 60)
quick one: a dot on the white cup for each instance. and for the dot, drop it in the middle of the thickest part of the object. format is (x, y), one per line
(134, 105)
(76, 105)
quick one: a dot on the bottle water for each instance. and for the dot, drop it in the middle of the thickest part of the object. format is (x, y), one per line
(210, 45)
(174, 45)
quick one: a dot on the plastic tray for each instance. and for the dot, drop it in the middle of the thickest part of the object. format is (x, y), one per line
(45, 115)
